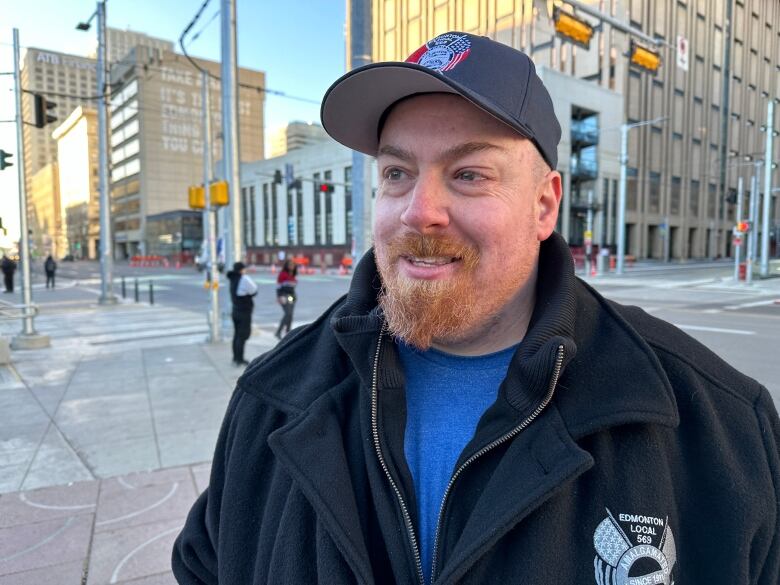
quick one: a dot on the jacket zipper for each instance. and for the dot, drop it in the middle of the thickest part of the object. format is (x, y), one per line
(496, 443)
(375, 432)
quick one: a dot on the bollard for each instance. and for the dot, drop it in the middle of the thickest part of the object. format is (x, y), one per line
(124, 292)
(136, 290)
(151, 292)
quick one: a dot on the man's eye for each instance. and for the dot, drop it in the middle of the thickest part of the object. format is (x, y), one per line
(394, 174)
(468, 176)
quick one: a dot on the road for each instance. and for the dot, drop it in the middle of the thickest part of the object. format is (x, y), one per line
(740, 323)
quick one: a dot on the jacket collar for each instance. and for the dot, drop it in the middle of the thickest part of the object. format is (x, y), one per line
(610, 374)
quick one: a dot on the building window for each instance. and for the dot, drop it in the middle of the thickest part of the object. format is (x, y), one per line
(348, 204)
(654, 196)
(693, 202)
(632, 187)
(317, 210)
(328, 176)
(674, 203)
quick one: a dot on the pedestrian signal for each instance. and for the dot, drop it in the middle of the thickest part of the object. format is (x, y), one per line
(219, 193)
(41, 110)
(644, 58)
(4, 162)
(743, 227)
(572, 28)
(197, 197)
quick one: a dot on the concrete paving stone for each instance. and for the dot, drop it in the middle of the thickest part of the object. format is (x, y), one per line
(133, 552)
(186, 382)
(30, 429)
(107, 459)
(19, 405)
(12, 474)
(18, 449)
(159, 579)
(170, 416)
(55, 463)
(187, 447)
(80, 411)
(141, 479)
(49, 396)
(70, 573)
(45, 372)
(9, 379)
(43, 544)
(201, 473)
(141, 505)
(48, 503)
(105, 385)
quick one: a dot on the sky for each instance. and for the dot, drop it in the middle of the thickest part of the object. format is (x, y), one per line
(299, 44)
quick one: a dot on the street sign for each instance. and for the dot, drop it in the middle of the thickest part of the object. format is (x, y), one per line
(682, 52)
(736, 241)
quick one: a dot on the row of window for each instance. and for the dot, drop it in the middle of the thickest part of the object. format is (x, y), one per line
(124, 152)
(127, 169)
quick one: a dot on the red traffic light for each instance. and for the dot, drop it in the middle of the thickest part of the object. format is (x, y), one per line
(326, 188)
(743, 226)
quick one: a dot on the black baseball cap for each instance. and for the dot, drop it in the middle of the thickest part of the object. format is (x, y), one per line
(494, 77)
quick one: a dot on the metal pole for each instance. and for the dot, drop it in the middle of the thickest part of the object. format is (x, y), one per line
(738, 247)
(28, 328)
(621, 218)
(209, 221)
(233, 241)
(600, 268)
(106, 254)
(589, 234)
(359, 14)
(751, 243)
(768, 158)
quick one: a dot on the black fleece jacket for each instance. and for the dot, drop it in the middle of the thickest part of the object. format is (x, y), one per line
(619, 452)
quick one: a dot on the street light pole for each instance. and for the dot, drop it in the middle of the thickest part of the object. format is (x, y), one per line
(235, 241)
(738, 247)
(209, 223)
(106, 254)
(621, 218)
(768, 158)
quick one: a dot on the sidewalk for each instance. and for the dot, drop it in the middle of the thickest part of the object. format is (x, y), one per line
(105, 441)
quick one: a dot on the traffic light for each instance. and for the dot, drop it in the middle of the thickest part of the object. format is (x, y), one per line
(644, 58)
(42, 107)
(572, 28)
(278, 177)
(4, 162)
(743, 226)
(219, 193)
(326, 188)
(197, 197)
(731, 197)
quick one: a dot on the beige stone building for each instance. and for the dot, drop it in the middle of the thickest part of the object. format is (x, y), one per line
(156, 136)
(77, 153)
(43, 217)
(683, 170)
(296, 135)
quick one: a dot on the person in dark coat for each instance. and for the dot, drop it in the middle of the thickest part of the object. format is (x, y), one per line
(242, 291)
(470, 412)
(9, 267)
(50, 266)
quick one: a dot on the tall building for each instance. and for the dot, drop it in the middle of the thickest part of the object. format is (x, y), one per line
(710, 99)
(296, 135)
(67, 80)
(156, 137)
(119, 43)
(44, 221)
(77, 153)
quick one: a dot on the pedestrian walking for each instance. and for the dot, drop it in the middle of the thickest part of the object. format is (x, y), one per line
(471, 412)
(242, 291)
(50, 266)
(286, 295)
(8, 267)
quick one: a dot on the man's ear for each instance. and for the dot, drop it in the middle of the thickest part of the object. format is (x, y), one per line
(548, 204)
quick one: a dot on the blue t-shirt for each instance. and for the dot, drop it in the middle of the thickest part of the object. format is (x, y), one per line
(445, 397)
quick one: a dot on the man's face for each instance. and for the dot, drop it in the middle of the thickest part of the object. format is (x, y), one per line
(463, 203)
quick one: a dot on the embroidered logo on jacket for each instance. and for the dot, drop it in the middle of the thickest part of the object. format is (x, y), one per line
(443, 52)
(632, 549)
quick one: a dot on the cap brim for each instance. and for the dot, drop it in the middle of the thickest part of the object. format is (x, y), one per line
(354, 105)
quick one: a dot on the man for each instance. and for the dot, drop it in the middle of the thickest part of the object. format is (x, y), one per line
(242, 290)
(9, 267)
(471, 412)
(50, 267)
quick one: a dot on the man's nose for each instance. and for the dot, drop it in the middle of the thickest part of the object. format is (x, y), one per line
(427, 209)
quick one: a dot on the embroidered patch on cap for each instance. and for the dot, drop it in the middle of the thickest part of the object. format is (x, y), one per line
(442, 53)
(633, 549)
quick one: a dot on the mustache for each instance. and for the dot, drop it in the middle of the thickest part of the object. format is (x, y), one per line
(422, 246)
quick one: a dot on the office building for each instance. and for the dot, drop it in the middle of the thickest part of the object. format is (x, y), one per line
(708, 98)
(43, 217)
(77, 153)
(157, 141)
(296, 135)
(311, 218)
